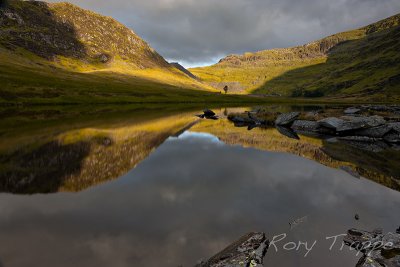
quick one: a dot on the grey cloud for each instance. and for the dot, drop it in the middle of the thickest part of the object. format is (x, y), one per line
(195, 31)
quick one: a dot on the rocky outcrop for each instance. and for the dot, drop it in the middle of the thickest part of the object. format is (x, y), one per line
(247, 251)
(380, 250)
(372, 133)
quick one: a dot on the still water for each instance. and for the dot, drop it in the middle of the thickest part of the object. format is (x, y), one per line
(174, 190)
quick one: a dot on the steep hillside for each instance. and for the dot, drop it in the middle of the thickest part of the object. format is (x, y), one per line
(62, 53)
(358, 62)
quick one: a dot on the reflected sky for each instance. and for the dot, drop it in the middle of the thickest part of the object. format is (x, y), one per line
(188, 200)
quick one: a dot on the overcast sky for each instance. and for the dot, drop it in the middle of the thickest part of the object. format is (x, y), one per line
(199, 32)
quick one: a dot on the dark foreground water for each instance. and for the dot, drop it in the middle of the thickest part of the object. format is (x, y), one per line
(189, 196)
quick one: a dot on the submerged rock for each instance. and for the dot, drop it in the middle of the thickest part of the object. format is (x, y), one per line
(287, 119)
(247, 251)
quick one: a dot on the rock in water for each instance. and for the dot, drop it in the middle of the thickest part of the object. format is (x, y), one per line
(352, 110)
(287, 119)
(247, 251)
(331, 123)
(307, 126)
(208, 113)
(355, 123)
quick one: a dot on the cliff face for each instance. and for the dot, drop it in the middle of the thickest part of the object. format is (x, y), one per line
(63, 29)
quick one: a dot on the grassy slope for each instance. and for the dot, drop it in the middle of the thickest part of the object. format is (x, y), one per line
(51, 54)
(25, 81)
(363, 61)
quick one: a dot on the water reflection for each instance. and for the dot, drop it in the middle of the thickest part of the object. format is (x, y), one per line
(188, 200)
(381, 167)
(77, 159)
(54, 159)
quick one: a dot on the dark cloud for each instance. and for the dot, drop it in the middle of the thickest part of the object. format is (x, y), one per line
(194, 31)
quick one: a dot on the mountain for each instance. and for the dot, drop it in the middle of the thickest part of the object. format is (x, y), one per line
(62, 30)
(362, 63)
(58, 53)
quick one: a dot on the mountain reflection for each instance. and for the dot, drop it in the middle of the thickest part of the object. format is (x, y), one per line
(381, 167)
(75, 160)
(78, 158)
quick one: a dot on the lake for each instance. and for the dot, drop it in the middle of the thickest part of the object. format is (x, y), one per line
(158, 186)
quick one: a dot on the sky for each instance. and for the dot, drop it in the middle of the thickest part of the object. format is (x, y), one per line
(200, 32)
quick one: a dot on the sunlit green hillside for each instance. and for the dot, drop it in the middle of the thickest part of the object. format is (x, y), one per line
(362, 63)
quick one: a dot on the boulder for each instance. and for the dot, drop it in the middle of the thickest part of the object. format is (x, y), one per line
(375, 132)
(376, 259)
(307, 126)
(331, 123)
(249, 250)
(352, 123)
(394, 240)
(208, 113)
(379, 249)
(287, 119)
(352, 110)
